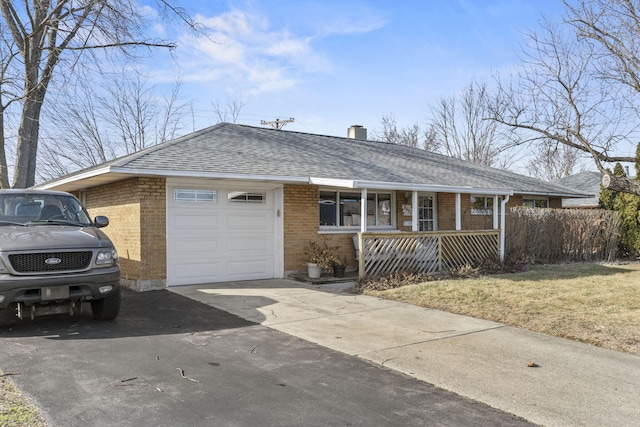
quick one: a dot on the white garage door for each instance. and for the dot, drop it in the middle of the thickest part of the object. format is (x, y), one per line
(219, 235)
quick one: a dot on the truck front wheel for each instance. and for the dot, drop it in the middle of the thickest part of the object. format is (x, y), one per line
(106, 308)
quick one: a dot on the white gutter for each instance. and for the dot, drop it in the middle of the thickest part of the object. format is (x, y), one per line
(70, 179)
(168, 173)
(503, 222)
(404, 186)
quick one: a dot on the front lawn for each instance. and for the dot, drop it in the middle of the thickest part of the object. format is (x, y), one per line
(597, 304)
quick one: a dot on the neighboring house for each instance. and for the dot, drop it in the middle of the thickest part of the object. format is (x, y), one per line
(584, 182)
(233, 202)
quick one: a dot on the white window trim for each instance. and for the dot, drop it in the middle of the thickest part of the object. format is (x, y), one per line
(488, 204)
(247, 199)
(546, 199)
(196, 192)
(337, 229)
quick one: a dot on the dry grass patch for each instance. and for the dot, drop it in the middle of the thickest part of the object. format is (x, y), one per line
(15, 409)
(593, 303)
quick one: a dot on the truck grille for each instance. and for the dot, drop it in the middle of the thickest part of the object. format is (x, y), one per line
(35, 263)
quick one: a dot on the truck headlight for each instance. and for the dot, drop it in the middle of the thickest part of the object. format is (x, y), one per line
(108, 257)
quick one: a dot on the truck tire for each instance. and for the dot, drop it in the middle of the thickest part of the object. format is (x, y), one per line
(106, 308)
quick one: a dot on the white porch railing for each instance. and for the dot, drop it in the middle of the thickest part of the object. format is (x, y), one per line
(424, 252)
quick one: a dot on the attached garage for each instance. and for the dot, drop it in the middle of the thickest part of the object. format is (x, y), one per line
(218, 232)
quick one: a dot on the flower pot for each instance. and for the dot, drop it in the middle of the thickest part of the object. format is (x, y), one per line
(313, 270)
(338, 270)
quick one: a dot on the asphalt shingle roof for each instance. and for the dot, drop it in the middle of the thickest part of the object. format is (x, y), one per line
(246, 150)
(584, 182)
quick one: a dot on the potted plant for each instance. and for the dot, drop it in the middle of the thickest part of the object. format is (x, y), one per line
(339, 266)
(319, 257)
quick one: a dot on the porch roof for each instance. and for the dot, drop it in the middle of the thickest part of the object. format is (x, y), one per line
(231, 151)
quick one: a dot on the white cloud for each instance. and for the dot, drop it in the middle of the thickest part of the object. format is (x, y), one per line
(246, 50)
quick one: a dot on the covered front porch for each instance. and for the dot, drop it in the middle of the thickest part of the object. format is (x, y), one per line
(417, 243)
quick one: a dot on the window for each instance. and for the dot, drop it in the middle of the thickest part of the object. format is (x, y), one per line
(184, 195)
(536, 202)
(481, 205)
(244, 197)
(342, 208)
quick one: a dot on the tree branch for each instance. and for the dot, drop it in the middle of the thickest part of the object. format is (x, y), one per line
(620, 184)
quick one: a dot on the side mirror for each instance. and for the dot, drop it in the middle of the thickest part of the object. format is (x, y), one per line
(101, 221)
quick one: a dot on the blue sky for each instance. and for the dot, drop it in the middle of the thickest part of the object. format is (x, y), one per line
(331, 64)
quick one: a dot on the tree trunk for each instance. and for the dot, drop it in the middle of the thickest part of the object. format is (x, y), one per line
(24, 174)
(4, 172)
(621, 184)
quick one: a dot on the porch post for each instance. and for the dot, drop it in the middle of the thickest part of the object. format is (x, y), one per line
(495, 212)
(458, 213)
(363, 211)
(502, 226)
(414, 211)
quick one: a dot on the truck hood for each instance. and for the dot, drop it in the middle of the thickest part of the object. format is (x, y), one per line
(51, 237)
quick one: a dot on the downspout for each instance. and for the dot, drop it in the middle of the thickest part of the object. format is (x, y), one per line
(503, 222)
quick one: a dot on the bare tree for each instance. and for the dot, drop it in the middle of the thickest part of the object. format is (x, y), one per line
(44, 36)
(121, 116)
(460, 126)
(578, 86)
(229, 112)
(553, 161)
(411, 136)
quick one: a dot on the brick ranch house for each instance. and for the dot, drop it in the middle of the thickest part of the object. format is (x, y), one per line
(234, 202)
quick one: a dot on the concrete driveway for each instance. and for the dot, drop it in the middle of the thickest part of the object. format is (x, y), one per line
(169, 360)
(571, 384)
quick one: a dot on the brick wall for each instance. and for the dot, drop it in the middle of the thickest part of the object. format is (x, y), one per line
(153, 220)
(402, 199)
(136, 208)
(301, 218)
(555, 202)
(446, 211)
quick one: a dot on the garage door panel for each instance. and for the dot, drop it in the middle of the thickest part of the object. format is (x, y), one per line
(199, 247)
(220, 241)
(202, 271)
(257, 267)
(250, 243)
(248, 221)
(186, 221)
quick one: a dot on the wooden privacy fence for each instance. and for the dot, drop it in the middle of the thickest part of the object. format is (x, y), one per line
(424, 252)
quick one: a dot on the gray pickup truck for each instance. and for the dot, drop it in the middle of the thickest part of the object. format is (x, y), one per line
(53, 256)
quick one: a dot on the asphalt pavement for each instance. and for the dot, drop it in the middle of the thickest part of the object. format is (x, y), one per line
(169, 360)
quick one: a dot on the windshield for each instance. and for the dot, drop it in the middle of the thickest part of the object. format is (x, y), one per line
(33, 209)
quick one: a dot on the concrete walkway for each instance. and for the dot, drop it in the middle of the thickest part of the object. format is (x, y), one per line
(571, 384)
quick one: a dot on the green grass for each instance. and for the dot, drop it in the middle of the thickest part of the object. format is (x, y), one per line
(592, 303)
